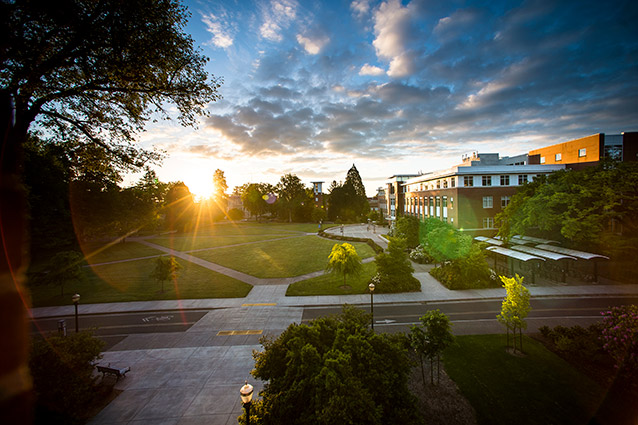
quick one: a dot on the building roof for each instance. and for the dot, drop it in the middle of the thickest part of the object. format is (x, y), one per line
(574, 253)
(513, 254)
(491, 241)
(485, 170)
(540, 253)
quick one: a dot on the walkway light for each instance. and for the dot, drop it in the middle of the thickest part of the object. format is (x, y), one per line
(246, 394)
(371, 286)
(76, 299)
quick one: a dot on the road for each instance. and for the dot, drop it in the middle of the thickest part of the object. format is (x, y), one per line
(467, 317)
(479, 316)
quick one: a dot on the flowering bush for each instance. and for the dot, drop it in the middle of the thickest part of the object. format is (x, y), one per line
(620, 335)
(419, 255)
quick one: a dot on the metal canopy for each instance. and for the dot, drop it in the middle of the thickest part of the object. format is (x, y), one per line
(572, 252)
(545, 254)
(535, 240)
(491, 241)
(522, 256)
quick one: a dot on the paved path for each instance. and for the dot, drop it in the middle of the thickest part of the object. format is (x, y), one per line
(194, 377)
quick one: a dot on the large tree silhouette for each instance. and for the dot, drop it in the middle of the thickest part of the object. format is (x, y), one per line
(89, 72)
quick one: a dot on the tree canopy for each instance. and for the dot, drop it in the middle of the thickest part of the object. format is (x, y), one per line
(348, 201)
(97, 71)
(515, 306)
(344, 260)
(291, 194)
(580, 206)
(335, 370)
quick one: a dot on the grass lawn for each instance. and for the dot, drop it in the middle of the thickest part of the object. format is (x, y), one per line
(281, 258)
(330, 284)
(96, 253)
(191, 242)
(253, 228)
(539, 388)
(130, 281)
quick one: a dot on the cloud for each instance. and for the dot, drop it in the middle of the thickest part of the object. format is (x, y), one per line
(392, 26)
(277, 16)
(312, 45)
(221, 36)
(371, 70)
(360, 8)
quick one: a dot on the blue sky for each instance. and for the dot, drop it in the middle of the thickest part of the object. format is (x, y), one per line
(399, 86)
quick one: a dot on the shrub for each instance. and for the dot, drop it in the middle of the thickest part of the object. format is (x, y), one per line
(407, 227)
(468, 272)
(394, 269)
(576, 339)
(62, 369)
(620, 336)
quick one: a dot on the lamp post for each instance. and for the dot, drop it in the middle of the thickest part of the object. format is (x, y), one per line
(246, 394)
(371, 286)
(76, 299)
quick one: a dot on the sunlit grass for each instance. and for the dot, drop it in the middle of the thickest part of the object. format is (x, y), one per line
(131, 281)
(97, 253)
(280, 258)
(188, 243)
(331, 284)
(539, 388)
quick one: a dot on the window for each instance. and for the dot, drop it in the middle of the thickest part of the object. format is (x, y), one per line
(451, 202)
(438, 184)
(505, 180)
(488, 222)
(522, 179)
(468, 181)
(488, 202)
(505, 200)
(558, 157)
(582, 152)
(487, 181)
(453, 182)
(445, 184)
(445, 202)
(542, 159)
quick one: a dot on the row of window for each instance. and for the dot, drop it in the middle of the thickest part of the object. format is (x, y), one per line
(488, 201)
(468, 181)
(559, 156)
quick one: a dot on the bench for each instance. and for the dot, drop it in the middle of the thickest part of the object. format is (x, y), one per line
(117, 371)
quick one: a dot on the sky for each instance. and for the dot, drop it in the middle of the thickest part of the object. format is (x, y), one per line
(312, 87)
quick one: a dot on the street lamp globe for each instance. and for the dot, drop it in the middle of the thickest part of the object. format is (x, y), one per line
(246, 393)
(371, 286)
(75, 298)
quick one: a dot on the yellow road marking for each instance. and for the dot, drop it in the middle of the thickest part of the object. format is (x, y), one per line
(248, 332)
(257, 304)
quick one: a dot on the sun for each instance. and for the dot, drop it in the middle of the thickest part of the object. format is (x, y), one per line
(200, 185)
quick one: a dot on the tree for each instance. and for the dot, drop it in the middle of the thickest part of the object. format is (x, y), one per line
(62, 370)
(291, 193)
(219, 192)
(442, 241)
(394, 269)
(253, 197)
(88, 72)
(344, 260)
(97, 71)
(348, 201)
(515, 308)
(311, 371)
(319, 215)
(581, 206)
(166, 268)
(180, 207)
(430, 339)
(63, 267)
(407, 227)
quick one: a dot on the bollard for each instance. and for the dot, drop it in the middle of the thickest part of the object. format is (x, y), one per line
(62, 327)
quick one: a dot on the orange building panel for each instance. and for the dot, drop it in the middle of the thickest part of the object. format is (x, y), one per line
(585, 149)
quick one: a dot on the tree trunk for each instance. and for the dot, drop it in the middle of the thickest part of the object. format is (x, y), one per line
(16, 397)
(431, 370)
(422, 369)
(438, 369)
